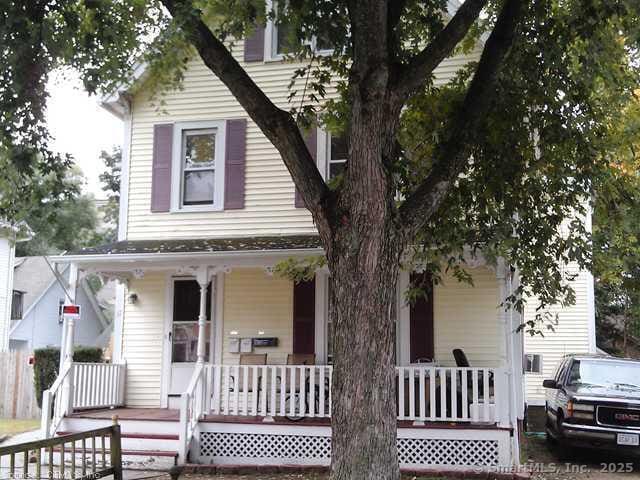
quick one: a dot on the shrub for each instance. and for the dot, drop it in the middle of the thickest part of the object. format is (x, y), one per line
(46, 362)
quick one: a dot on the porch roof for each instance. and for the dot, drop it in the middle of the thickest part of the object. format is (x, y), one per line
(179, 250)
(200, 245)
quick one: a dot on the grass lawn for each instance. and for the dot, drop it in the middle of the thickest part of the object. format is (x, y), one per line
(9, 426)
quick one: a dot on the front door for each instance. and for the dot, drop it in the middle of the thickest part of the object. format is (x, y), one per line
(183, 333)
(421, 321)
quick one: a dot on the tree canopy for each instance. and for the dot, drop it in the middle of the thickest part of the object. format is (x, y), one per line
(538, 150)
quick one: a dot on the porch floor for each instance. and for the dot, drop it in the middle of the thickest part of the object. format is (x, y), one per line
(173, 415)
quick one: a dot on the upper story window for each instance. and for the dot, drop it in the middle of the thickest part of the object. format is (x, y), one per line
(198, 166)
(281, 39)
(198, 170)
(17, 301)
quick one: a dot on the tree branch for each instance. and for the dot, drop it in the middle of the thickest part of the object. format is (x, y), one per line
(420, 67)
(277, 125)
(452, 158)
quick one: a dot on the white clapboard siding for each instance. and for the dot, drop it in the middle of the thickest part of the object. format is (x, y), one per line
(142, 340)
(6, 285)
(571, 335)
(256, 302)
(269, 195)
(466, 317)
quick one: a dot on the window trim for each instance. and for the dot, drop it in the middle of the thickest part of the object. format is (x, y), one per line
(20, 296)
(540, 370)
(177, 169)
(271, 39)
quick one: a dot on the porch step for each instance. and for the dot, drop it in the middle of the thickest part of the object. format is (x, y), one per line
(150, 436)
(133, 441)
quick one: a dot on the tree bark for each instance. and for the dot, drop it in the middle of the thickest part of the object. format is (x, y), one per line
(364, 257)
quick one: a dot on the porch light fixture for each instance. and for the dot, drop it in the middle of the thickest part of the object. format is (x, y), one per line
(233, 332)
(260, 332)
(132, 299)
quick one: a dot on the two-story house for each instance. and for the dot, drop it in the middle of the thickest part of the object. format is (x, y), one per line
(218, 360)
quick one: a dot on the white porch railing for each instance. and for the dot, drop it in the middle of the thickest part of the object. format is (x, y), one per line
(194, 404)
(82, 386)
(424, 393)
(98, 385)
(272, 390)
(452, 394)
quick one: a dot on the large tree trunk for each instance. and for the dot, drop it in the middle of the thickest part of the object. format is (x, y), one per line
(364, 256)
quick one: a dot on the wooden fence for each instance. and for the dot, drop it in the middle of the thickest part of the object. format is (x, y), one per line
(78, 456)
(17, 394)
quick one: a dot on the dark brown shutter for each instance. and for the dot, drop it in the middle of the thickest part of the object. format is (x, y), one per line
(234, 162)
(161, 168)
(254, 45)
(421, 320)
(311, 139)
(304, 317)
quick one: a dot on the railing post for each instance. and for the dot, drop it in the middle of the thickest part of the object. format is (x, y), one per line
(183, 440)
(501, 397)
(116, 450)
(45, 422)
(70, 387)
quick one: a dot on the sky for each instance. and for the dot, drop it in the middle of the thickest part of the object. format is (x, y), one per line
(81, 127)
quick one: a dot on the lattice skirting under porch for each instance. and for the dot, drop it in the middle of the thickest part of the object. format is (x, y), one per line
(293, 445)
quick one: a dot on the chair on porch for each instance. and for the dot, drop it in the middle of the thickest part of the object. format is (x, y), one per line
(463, 362)
(248, 359)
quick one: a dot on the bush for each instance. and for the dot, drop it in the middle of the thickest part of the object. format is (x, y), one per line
(46, 362)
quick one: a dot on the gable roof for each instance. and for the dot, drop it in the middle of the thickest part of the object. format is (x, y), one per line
(32, 276)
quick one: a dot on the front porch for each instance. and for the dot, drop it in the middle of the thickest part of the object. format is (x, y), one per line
(187, 319)
(279, 414)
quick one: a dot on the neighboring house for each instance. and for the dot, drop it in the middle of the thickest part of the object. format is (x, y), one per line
(9, 235)
(575, 332)
(36, 320)
(207, 209)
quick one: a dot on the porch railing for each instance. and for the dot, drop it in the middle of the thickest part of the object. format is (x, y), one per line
(451, 394)
(98, 385)
(82, 386)
(424, 393)
(194, 404)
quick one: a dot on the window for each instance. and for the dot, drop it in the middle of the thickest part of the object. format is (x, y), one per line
(198, 166)
(16, 305)
(337, 153)
(281, 39)
(533, 363)
(60, 305)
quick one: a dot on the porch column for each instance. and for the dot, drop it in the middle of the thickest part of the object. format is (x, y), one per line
(68, 326)
(66, 346)
(203, 281)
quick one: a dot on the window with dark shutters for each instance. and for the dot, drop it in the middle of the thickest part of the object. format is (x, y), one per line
(421, 320)
(254, 45)
(161, 168)
(235, 154)
(304, 317)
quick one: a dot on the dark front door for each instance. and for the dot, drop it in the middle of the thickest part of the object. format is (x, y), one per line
(421, 323)
(304, 317)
